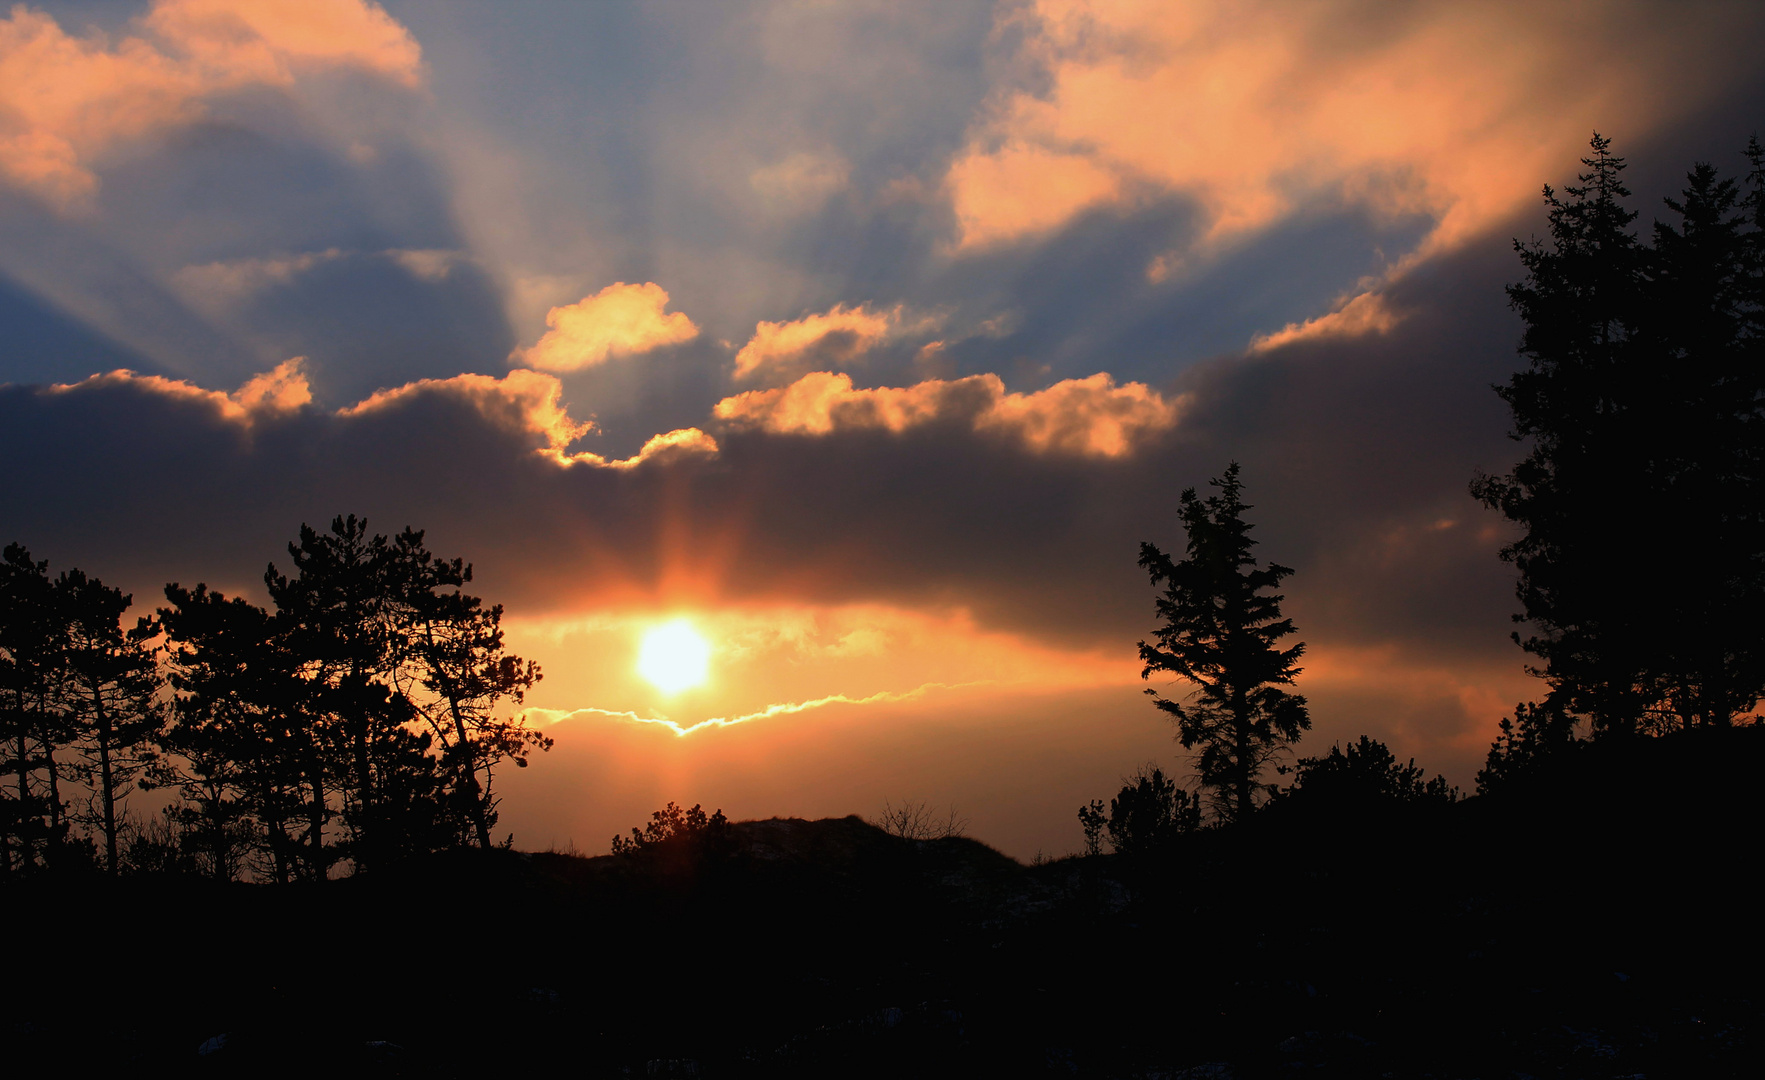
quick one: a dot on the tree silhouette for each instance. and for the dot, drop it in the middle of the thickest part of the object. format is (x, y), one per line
(674, 827)
(1365, 773)
(112, 693)
(453, 669)
(1643, 494)
(1535, 735)
(240, 748)
(1218, 628)
(32, 678)
(1145, 816)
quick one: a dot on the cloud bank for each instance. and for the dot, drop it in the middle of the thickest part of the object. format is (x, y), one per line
(1090, 417)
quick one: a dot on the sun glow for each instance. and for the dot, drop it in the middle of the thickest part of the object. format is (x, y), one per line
(674, 657)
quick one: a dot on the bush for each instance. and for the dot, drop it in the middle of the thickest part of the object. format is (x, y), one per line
(675, 827)
(1146, 815)
(918, 821)
(1366, 773)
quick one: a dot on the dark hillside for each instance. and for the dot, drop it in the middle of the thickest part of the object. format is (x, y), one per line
(1601, 923)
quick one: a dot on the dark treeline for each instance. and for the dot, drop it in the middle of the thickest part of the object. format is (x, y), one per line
(1641, 504)
(351, 726)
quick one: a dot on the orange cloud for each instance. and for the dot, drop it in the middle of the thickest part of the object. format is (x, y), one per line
(838, 336)
(1366, 313)
(666, 446)
(532, 403)
(522, 400)
(271, 41)
(1091, 417)
(1019, 189)
(64, 100)
(282, 390)
(620, 320)
(1452, 111)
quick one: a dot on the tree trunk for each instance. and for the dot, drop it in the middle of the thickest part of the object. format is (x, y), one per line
(1241, 735)
(476, 793)
(107, 794)
(315, 821)
(24, 791)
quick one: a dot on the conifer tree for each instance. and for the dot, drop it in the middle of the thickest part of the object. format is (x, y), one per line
(32, 684)
(1642, 496)
(239, 747)
(111, 692)
(454, 671)
(1219, 628)
(337, 614)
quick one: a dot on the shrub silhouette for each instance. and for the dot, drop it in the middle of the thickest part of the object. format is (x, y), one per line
(674, 827)
(1145, 816)
(1365, 773)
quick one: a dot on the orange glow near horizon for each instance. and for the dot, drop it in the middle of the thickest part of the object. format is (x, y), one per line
(776, 661)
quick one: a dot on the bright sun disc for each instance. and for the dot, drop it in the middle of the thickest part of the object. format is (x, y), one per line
(674, 657)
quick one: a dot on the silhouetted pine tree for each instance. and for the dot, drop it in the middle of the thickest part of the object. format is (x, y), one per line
(337, 614)
(452, 668)
(1219, 629)
(33, 676)
(111, 694)
(240, 747)
(1642, 566)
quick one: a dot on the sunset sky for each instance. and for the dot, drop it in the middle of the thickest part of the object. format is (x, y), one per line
(871, 339)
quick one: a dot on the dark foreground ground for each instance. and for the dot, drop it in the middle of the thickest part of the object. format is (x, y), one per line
(1607, 925)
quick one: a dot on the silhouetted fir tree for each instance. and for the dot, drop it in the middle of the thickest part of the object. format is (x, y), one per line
(454, 671)
(1642, 566)
(112, 693)
(1144, 817)
(1219, 629)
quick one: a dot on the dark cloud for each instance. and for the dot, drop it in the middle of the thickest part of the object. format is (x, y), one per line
(1355, 451)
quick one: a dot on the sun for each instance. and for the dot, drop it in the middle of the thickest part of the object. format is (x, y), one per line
(674, 657)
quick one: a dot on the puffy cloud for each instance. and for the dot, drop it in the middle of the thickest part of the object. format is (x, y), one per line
(1091, 417)
(839, 335)
(620, 320)
(522, 400)
(271, 41)
(64, 100)
(1446, 110)
(663, 447)
(1019, 189)
(531, 403)
(281, 390)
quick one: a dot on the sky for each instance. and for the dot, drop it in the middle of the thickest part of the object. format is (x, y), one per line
(871, 339)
